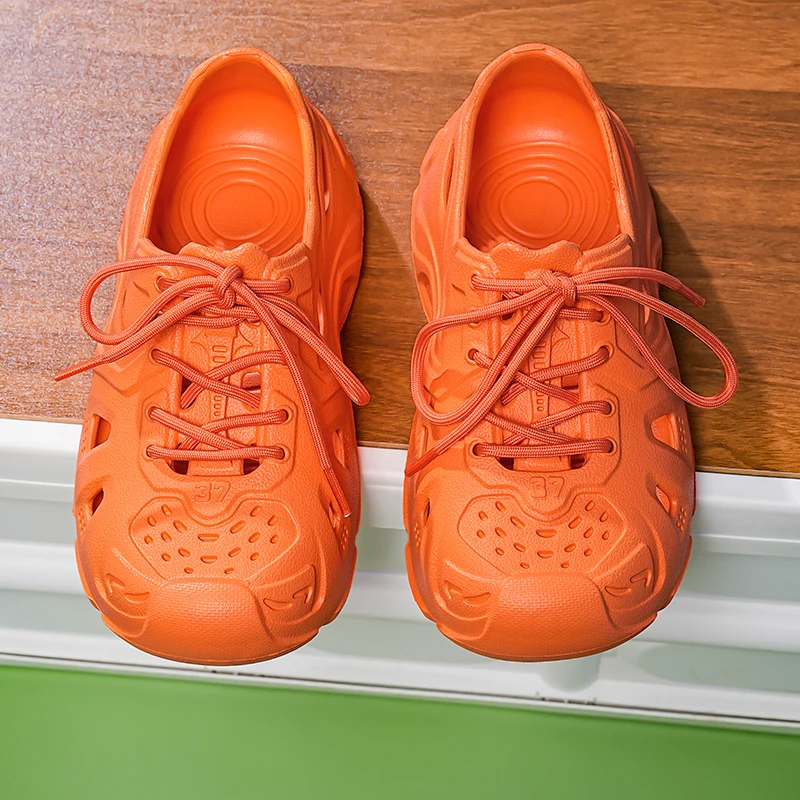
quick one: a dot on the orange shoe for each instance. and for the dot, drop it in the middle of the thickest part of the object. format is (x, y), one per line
(217, 492)
(550, 470)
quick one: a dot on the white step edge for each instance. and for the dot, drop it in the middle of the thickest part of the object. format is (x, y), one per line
(746, 549)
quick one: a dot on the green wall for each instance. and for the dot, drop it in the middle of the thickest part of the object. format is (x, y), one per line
(70, 735)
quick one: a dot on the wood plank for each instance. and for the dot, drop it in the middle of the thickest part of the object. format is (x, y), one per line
(710, 92)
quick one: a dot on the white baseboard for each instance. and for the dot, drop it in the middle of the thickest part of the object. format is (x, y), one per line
(727, 649)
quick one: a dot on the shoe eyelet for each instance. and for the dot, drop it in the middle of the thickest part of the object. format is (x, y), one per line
(609, 348)
(613, 449)
(288, 414)
(612, 407)
(471, 354)
(473, 449)
(285, 453)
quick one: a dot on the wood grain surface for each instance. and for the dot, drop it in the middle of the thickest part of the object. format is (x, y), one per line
(709, 90)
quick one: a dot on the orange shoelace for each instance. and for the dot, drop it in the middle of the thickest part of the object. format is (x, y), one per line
(219, 298)
(543, 300)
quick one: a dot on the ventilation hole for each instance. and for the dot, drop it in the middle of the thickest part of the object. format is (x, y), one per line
(570, 381)
(251, 380)
(544, 553)
(165, 556)
(148, 539)
(499, 531)
(575, 522)
(517, 522)
(95, 501)
(520, 547)
(587, 551)
(606, 536)
(569, 548)
(426, 511)
(665, 429)
(272, 520)
(179, 526)
(604, 516)
(499, 506)
(238, 526)
(590, 505)
(424, 286)
(235, 552)
(208, 537)
(182, 551)
(506, 463)
(166, 537)
(447, 173)
(546, 534)
(188, 570)
(483, 515)
(333, 515)
(151, 521)
(250, 465)
(670, 506)
(166, 511)
(208, 559)
(500, 551)
(274, 539)
(564, 564)
(588, 534)
(254, 511)
(524, 565)
(101, 430)
(181, 467)
(577, 460)
(254, 537)
(339, 449)
(228, 570)
(254, 556)
(481, 534)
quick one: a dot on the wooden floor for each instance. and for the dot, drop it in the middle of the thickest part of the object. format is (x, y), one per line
(709, 90)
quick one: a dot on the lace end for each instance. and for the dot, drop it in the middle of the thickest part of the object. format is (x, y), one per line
(338, 492)
(70, 372)
(691, 295)
(421, 462)
(363, 399)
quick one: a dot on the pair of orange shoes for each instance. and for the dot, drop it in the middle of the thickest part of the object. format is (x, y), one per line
(550, 473)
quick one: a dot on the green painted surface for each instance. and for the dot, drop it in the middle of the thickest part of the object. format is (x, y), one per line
(67, 735)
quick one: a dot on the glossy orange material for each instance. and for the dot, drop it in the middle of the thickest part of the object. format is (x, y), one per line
(217, 492)
(550, 482)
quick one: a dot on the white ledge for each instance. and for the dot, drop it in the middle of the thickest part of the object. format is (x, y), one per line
(726, 649)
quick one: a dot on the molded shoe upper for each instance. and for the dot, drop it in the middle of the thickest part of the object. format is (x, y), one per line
(550, 482)
(217, 492)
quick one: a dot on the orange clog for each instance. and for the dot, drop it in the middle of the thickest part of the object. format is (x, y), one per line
(217, 492)
(550, 482)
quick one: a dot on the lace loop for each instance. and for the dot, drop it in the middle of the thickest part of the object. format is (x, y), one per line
(220, 297)
(542, 300)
